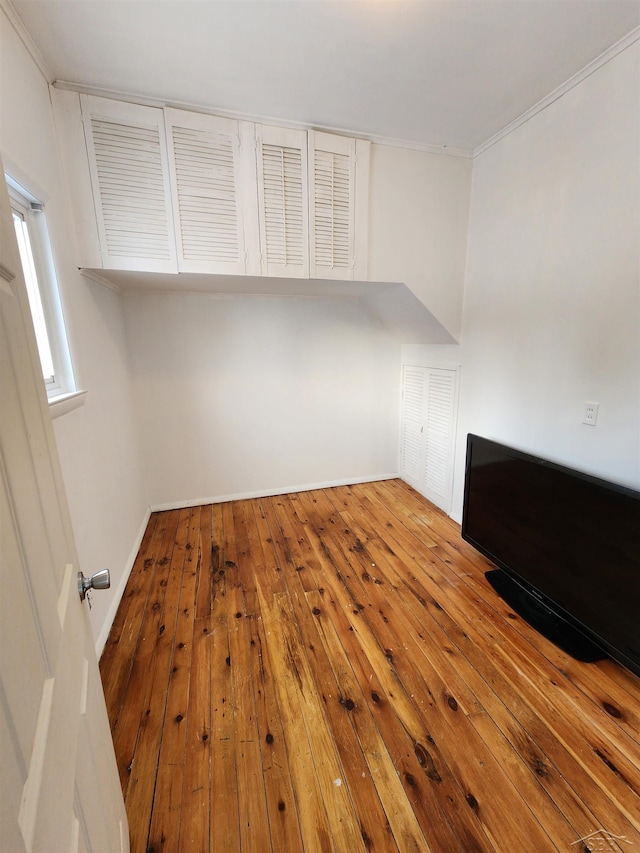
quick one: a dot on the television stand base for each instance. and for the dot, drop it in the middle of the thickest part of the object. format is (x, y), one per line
(552, 626)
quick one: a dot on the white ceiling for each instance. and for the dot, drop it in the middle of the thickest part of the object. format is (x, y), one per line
(436, 72)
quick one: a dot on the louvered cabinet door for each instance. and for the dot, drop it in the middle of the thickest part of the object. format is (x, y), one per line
(439, 436)
(429, 407)
(212, 164)
(130, 183)
(338, 206)
(283, 201)
(412, 444)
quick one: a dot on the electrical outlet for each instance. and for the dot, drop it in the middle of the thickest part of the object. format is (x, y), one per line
(590, 414)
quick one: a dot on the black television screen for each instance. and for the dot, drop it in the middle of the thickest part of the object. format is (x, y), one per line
(569, 540)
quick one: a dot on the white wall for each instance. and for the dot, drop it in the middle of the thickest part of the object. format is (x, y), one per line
(97, 443)
(419, 212)
(552, 310)
(245, 394)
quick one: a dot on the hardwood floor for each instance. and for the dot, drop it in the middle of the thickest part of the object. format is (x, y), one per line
(330, 671)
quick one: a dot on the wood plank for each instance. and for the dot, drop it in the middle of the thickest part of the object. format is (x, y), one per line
(130, 716)
(249, 559)
(224, 821)
(120, 649)
(131, 598)
(280, 797)
(165, 822)
(254, 822)
(205, 565)
(140, 789)
(272, 573)
(284, 822)
(327, 822)
(196, 789)
(296, 554)
(608, 693)
(167, 802)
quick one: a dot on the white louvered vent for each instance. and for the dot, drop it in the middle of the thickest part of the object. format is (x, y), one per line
(284, 214)
(439, 429)
(206, 191)
(332, 209)
(131, 189)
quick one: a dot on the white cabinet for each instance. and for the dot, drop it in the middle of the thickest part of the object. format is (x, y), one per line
(429, 408)
(129, 168)
(178, 191)
(313, 193)
(338, 206)
(212, 166)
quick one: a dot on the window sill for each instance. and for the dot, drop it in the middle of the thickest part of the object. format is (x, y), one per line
(66, 403)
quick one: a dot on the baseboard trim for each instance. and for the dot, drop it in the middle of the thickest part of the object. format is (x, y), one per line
(266, 493)
(119, 590)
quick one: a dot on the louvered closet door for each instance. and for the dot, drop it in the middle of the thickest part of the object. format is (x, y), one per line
(212, 164)
(130, 183)
(338, 206)
(429, 404)
(412, 448)
(283, 201)
(439, 436)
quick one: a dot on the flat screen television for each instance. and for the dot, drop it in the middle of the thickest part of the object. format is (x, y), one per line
(567, 547)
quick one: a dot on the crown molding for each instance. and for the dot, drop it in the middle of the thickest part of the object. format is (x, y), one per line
(21, 31)
(465, 153)
(552, 97)
(133, 97)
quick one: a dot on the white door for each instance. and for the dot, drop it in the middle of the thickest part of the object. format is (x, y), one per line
(429, 405)
(439, 436)
(59, 782)
(412, 438)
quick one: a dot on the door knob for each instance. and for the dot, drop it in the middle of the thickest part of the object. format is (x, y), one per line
(99, 580)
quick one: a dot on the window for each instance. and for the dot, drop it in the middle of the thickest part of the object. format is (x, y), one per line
(42, 288)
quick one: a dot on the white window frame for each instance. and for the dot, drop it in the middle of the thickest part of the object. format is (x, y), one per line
(32, 211)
